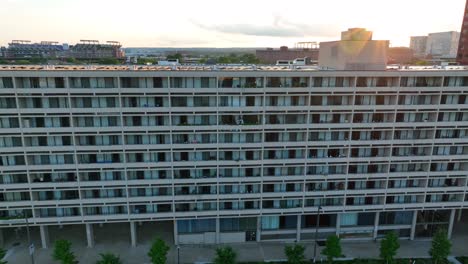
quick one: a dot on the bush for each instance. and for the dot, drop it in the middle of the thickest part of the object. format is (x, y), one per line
(332, 248)
(2, 255)
(388, 247)
(225, 255)
(158, 252)
(109, 258)
(22, 62)
(463, 260)
(441, 247)
(108, 61)
(62, 252)
(295, 254)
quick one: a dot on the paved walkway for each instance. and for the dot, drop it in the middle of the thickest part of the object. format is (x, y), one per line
(204, 253)
(116, 240)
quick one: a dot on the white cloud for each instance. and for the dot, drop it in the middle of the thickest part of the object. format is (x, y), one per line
(222, 22)
(279, 28)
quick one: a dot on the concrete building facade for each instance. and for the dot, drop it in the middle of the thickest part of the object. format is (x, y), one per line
(436, 45)
(443, 44)
(233, 153)
(418, 45)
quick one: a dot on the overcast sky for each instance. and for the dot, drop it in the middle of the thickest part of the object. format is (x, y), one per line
(222, 23)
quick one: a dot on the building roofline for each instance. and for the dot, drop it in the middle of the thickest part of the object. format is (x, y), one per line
(213, 68)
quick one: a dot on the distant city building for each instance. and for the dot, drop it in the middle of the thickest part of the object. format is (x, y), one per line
(295, 62)
(400, 55)
(307, 50)
(26, 49)
(443, 44)
(355, 51)
(462, 55)
(436, 45)
(86, 49)
(2, 52)
(356, 34)
(169, 62)
(418, 45)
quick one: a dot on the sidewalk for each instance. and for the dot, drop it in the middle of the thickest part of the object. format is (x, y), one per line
(267, 251)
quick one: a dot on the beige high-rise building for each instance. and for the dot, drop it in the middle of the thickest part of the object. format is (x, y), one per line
(355, 51)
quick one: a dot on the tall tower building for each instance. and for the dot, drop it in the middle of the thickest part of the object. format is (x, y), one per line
(462, 56)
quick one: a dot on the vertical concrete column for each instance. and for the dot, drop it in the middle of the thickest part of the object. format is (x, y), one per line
(376, 224)
(460, 212)
(133, 234)
(217, 231)
(2, 239)
(90, 235)
(44, 231)
(413, 225)
(338, 224)
(176, 233)
(298, 228)
(451, 222)
(259, 228)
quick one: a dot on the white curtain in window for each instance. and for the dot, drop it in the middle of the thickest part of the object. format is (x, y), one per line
(142, 82)
(105, 140)
(10, 160)
(6, 142)
(5, 122)
(93, 82)
(105, 210)
(8, 178)
(59, 211)
(56, 141)
(197, 82)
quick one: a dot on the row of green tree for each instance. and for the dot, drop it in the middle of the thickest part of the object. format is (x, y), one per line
(389, 245)
(245, 58)
(63, 253)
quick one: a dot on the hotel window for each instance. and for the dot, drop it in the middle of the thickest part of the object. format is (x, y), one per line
(196, 226)
(6, 82)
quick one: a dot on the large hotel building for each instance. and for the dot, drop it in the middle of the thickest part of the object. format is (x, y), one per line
(233, 153)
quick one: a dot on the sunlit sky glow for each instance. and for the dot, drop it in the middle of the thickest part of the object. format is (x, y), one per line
(222, 23)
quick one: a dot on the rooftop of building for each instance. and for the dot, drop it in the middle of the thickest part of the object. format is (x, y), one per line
(200, 67)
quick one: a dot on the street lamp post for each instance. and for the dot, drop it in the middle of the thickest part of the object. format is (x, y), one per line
(178, 254)
(30, 245)
(316, 231)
